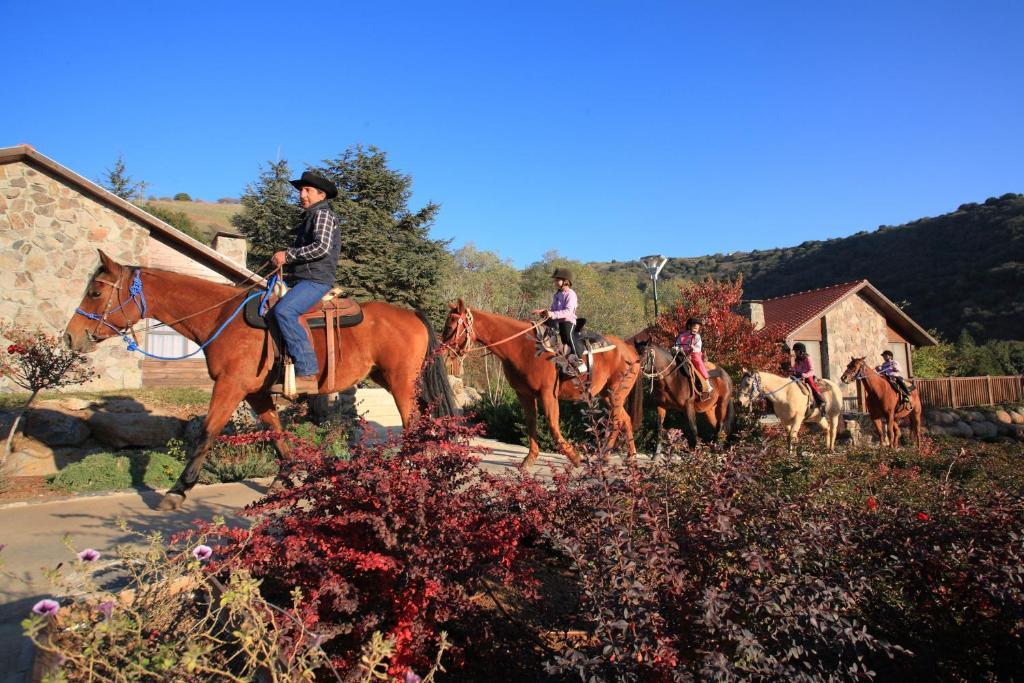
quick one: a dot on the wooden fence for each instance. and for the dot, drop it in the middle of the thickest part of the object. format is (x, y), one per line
(955, 392)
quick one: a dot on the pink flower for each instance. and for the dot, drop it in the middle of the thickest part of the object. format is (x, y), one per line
(106, 609)
(46, 607)
(89, 555)
(202, 552)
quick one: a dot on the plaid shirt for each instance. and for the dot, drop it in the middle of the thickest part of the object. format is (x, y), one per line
(324, 226)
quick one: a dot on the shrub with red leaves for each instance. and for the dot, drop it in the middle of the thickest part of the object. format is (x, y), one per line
(729, 338)
(395, 540)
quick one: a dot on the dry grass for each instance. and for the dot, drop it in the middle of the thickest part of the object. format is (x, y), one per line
(210, 218)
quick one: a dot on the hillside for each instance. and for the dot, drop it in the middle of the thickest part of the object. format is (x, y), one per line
(961, 270)
(209, 218)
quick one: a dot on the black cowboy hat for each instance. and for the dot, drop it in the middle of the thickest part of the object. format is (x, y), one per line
(562, 274)
(318, 181)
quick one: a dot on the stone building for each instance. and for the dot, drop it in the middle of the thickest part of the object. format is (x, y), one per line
(53, 221)
(841, 321)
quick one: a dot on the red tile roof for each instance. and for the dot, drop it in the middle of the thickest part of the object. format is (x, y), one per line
(784, 315)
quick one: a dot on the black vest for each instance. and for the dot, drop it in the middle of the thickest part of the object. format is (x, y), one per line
(321, 269)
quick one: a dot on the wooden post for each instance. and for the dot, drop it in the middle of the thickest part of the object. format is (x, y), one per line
(952, 396)
(988, 383)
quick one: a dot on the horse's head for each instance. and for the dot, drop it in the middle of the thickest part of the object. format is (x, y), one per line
(458, 335)
(854, 371)
(103, 313)
(746, 388)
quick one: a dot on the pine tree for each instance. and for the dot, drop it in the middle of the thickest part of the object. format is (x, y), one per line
(268, 214)
(120, 183)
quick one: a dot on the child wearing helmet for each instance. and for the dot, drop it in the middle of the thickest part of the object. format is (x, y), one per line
(562, 314)
(689, 343)
(803, 369)
(891, 370)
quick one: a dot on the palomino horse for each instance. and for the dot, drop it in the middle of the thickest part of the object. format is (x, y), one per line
(884, 403)
(391, 345)
(535, 378)
(790, 401)
(672, 390)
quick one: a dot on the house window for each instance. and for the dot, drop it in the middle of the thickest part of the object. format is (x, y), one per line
(163, 341)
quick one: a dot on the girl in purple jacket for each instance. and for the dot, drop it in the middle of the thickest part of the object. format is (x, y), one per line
(562, 313)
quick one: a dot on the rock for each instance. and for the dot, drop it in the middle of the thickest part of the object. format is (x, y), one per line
(123, 405)
(121, 430)
(55, 428)
(976, 416)
(961, 429)
(472, 396)
(1017, 432)
(932, 417)
(1004, 417)
(984, 430)
(458, 386)
(1016, 418)
(74, 403)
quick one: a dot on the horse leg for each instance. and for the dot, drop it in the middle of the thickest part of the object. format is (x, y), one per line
(660, 434)
(549, 404)
(264, 406)
(226, 397)
(882, 433)
(894, 431)
(691, 425)
(623, 422)
(529, 405)
(794, 431)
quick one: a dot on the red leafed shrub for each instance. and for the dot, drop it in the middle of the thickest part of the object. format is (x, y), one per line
(394, 540)
(729, 338)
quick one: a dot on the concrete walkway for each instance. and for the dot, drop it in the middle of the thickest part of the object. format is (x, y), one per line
(33, 532)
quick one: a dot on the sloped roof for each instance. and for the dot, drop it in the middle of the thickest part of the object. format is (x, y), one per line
(784, 315)
(191, 247)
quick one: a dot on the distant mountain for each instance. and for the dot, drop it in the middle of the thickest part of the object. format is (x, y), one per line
(961, 270)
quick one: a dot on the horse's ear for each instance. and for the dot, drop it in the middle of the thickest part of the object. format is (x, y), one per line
(460, 306)
(109, 264)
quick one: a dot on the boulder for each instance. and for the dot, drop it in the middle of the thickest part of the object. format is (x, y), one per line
(984, 429)
(1004, 417)
(123, 405)
(472, 396)
(1016, 418)
(961, 429)
(1017, 432)
(134, 429)
(55, 428)
(978, 416)
(933, 417)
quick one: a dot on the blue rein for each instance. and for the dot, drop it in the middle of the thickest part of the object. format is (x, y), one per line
(138, 297)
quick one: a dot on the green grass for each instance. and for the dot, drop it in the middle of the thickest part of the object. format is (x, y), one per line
(210, 218)
(180, 397)
(109, 472)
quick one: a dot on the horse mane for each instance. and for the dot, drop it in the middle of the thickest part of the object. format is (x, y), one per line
(225, 288)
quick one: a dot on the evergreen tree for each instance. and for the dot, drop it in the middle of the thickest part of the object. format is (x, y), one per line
(120, 183)
(386, 249)
(269, 212)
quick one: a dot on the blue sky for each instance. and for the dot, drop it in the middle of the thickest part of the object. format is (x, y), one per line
(606, 130)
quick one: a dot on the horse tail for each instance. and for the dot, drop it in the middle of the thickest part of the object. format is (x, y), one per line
(435, 391)
(730, 405)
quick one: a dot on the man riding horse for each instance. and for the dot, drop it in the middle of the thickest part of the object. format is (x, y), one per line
(310, 267)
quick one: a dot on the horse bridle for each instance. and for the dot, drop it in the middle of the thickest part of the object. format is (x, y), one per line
(464, 322)
(755, 384)
(136, 296)
(861, 371)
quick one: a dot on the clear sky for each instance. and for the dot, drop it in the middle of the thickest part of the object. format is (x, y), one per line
(606, 130)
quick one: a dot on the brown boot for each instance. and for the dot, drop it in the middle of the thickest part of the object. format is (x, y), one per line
(307, 384)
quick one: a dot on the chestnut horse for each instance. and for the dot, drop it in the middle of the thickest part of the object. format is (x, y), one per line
(535, 377)
(672, 390)
(391, 346)
(884, 403)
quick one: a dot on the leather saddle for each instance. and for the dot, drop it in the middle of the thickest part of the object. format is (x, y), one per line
(332, 312)
(588, 342)
(690, 371)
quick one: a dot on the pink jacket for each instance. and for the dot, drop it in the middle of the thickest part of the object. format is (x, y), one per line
(803, 367)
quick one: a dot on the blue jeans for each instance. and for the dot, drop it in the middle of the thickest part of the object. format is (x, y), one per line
(297, 301)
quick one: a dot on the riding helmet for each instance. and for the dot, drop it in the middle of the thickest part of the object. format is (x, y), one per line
(799, 346)
(693, 321)
(887, 354)
(563, 274)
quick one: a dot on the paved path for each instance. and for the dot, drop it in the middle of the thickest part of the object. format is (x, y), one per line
(33, 532)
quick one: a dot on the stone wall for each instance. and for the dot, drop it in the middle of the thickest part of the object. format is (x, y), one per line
(853, 328)
(49, 234)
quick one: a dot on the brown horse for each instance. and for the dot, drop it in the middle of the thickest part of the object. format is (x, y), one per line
(884, 403)
(535, 377)
(391, 346)
(672, 390)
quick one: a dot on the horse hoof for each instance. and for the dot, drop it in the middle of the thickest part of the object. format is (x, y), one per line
(171, 501)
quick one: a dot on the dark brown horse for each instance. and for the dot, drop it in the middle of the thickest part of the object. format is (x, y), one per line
(391, 346)
(672, 390)
(535, 378)
(884, 403)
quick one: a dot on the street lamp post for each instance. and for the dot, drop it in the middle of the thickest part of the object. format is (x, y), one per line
(653, 265)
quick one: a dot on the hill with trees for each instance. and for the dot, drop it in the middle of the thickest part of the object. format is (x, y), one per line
(962, 270)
